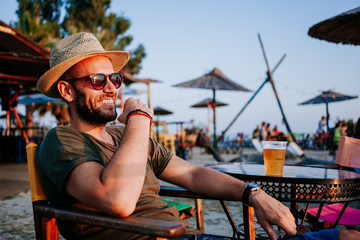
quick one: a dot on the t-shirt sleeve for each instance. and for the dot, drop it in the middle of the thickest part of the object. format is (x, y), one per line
(60, 152)
(159, 157)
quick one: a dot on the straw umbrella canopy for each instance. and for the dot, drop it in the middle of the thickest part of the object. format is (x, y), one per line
(130, 79)
(328, 97)
(214, 80)
(206, 102)
(343, 28)
(160, 111)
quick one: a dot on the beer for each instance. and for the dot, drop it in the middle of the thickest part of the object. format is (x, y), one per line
(274, 161)
(274, 157)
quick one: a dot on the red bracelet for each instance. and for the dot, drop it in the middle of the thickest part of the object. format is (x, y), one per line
(139, 113)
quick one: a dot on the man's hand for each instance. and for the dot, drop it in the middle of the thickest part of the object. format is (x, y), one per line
(269, 212)
(132, 104)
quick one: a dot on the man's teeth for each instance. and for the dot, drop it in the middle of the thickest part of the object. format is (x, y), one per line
(107, 101)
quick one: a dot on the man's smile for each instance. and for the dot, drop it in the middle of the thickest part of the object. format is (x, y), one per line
(107, 103)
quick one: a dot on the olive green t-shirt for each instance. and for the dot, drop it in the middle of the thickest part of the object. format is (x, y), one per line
(63, 148)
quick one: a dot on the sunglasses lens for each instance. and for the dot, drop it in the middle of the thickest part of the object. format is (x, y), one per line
(116, 79)
(99, 81)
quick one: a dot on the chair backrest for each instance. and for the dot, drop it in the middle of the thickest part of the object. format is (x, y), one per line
(36, 187)
(45, 227)
(348, 154)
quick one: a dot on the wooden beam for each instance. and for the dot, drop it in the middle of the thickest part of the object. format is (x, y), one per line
(20, 78)
(24, 59)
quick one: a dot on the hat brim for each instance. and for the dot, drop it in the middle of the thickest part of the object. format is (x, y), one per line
(47, 83)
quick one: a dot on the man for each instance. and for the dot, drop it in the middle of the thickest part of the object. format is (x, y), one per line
(263, 132)
(115, 169)
(322, 125)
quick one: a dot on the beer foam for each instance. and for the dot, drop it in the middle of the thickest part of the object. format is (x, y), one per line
(274, 144)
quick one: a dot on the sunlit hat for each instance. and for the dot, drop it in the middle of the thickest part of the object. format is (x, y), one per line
(71, 50)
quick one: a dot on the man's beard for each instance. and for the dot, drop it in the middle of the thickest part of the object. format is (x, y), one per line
(93, 117)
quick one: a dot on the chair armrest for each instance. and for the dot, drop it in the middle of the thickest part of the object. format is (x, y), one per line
(179, 192)
(183, 193)
(138, 225)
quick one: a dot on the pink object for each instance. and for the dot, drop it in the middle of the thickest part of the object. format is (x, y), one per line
(330, 213)
(348, 154)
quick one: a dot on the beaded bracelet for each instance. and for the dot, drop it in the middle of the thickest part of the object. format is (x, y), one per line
(250, 201)
(139, 112)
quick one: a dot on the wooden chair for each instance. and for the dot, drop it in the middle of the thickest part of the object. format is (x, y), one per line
(348, 158)
(168, 141)
(45, 214)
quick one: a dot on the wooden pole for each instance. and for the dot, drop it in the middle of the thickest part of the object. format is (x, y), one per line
(20, 125)
(121, 96)
(253, 96)
(262, 85)
(149, 95)
(8, 122)
(270, 79)
(152, 134)
(327, 116)
(214, 121)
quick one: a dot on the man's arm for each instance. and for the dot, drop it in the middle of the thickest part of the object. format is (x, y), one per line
(212, 183)
(115, 189)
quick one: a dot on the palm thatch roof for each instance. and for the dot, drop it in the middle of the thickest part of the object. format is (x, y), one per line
(213, 80)
(343, 28)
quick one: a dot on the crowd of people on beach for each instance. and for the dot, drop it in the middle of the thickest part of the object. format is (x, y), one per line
(265, 133)
(328, 139)
(322, 139)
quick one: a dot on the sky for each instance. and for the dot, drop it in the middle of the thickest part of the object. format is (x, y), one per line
(187, 39)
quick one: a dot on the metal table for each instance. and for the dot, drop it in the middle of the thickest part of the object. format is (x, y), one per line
(298, 184)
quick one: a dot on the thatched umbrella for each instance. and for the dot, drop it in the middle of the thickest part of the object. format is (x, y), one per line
(207, 103)
(343, 28)
(130, 79)
(328, 97)
(214, 80)
(160, 111)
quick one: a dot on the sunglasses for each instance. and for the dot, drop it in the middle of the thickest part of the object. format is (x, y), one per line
(98, 80)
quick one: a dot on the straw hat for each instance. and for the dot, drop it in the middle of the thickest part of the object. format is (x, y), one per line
(71, 50)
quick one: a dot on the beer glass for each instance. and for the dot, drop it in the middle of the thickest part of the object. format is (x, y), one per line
(274, 157)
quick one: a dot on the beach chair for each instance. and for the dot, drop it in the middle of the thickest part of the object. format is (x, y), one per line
(168, 141)
(46, 214)
(348, 158)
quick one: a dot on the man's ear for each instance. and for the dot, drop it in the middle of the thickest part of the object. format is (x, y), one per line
(65, 90)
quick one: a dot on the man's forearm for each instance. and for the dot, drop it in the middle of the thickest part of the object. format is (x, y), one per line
(124, 175)
(212, 183)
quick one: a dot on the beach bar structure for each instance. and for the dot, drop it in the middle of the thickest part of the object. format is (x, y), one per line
(22, 62)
